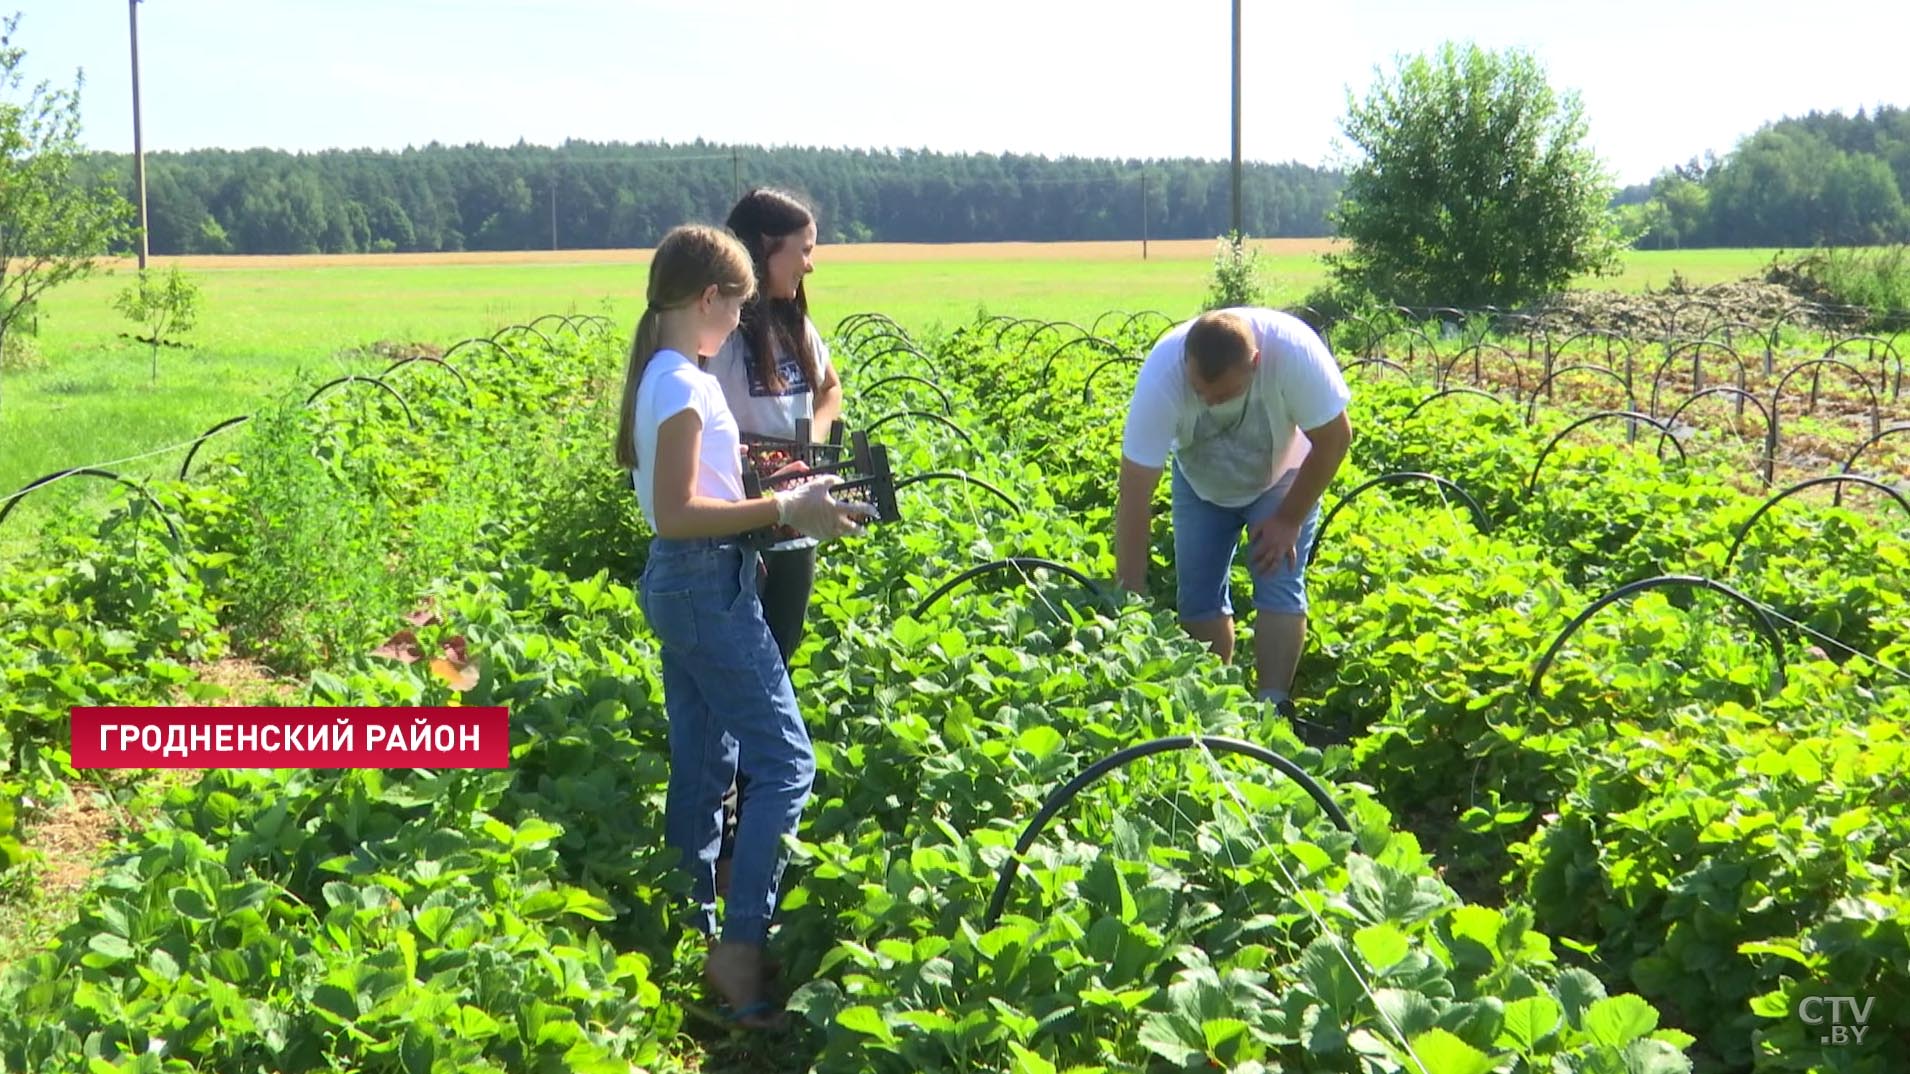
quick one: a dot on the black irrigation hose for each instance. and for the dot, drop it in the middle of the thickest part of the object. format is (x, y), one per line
(948, 407)
(1017, 563)
(1697, 350)
(548, 345)
(1087, 387)
(1057, 326)
(1760, 618)
(1067, 792)
(89, 471)
(1444, 392)
(930, 414)
(1839, 479)
(453, 370)
(1671, 422)
(1387, 362)
(902, 346)
(479, 341)
(1106, 346)
(845, 325)
(393, 392)
(1777, 393)
(1851, 463)
(203, 437)
(1889, 351)
(1478, 350)
(1479, 517)
(563, 322)
(1532, 483)
(952, 475)
(1631, 397)
(1129, 323)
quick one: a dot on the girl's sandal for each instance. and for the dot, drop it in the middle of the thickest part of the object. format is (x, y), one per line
(751, 1013)
(761, 1015)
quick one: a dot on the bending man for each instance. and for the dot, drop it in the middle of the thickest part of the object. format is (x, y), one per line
(1253, 407)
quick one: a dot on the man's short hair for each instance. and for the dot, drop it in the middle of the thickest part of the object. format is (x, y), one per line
(1218, 343)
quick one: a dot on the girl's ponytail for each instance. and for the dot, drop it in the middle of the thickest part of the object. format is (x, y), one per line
(643, 347)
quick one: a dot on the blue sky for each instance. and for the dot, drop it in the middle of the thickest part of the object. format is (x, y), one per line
(1662, 81)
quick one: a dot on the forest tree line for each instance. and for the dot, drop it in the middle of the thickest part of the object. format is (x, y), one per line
(1823, 178)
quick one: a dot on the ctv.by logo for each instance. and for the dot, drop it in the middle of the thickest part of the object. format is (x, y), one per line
(1847, 1018)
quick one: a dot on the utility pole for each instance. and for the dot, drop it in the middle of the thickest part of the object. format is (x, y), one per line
(139, 148)
(1144, 214)
(553, 208)
(736, 176)
(1236, 117)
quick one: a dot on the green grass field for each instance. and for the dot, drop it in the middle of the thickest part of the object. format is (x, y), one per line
(96, 399)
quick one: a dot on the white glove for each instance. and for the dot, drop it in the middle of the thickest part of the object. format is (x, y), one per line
(811, 511)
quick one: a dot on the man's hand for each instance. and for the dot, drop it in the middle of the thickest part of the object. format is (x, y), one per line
(1274, 539)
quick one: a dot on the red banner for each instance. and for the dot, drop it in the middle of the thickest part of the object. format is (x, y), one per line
(207, 737)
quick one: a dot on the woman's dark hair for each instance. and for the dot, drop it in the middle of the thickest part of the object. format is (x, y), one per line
(765, 219)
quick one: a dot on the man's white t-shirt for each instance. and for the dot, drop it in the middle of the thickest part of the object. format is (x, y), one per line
(759, 408)
(672, 384)
(1233, 453)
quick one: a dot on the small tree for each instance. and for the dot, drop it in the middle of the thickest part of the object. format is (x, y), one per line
(1236, 279)
(1473, 185)
(50, 228)
(164, 305)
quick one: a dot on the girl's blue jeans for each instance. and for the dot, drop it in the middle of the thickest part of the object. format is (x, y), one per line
(730, 704)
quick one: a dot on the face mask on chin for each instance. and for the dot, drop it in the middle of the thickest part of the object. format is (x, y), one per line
(1230, 411)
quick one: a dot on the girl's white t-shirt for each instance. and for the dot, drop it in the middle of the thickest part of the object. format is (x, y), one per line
(758, 408)
(672, 384)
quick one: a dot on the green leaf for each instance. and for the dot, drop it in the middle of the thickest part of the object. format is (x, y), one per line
(191, 904)
(1027, 1062)
(432, 921)
(1771, 1005)
(1412, 1012)
(1160, 1036)
(1655, 1057)
(1479, 924)
(1577, 991)
(1618, 1021)
(1782, 949)
(1529, 1021)
(867, 1021)
(1382, 945)
(928, 1021)
(542, 904)
(470, 1023)
(1442, 1053)
(113, 947)
(163, 964)
(418, 1052)
(587, 906)
(1219, 1031)
(1040, 741)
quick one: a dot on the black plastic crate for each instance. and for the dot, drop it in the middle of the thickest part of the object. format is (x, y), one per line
(866, 478)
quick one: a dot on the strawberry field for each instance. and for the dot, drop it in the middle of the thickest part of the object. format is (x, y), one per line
(1619, 782)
